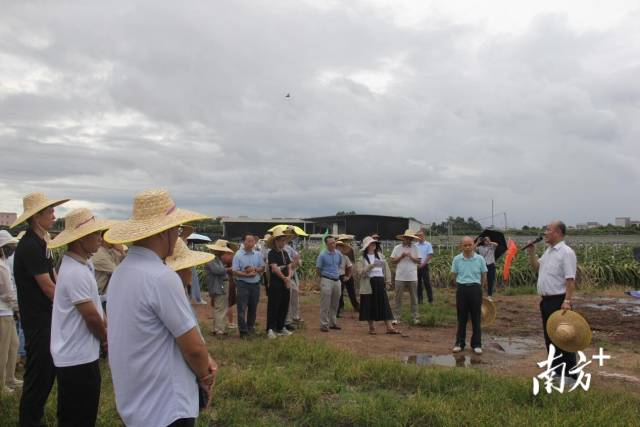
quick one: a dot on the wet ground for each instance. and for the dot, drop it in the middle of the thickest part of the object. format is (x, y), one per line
(513, 345)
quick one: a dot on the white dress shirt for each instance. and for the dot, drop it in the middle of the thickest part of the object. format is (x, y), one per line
(558, 263)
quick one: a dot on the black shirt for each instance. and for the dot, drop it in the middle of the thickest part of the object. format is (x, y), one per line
(31, 259)
(281, 258)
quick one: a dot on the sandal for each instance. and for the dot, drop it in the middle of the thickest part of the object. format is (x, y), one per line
(394, 332)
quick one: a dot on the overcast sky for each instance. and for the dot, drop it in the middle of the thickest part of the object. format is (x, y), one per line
(412, 108)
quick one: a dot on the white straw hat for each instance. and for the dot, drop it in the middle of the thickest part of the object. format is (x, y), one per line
(183, 257)
(407, 233)
(220, 245)
(77, 224)
(33, 203)
(153, 212)
(7, 239)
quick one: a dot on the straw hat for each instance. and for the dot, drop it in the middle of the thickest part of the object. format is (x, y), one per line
(220, 246)
(345, 237)
(33, 203)
(153, 212)
(77, 224)
(568, 330)
(279, 232)
(297, 230)
(7, 239)
(407, 233)
(187, 230)
(488, 312)
(21, 234)
(183, 257)
(367, 241)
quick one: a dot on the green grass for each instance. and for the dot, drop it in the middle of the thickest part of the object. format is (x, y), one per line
(441, 313)
(299, 382)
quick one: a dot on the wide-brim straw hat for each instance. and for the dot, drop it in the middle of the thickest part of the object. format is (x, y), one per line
(367, 241)
(288, 232)
(298, 231)
(568, 330)
(183, 257)
(345, 237)
(407, 233)
(77, 224)
(220, 245)
(488, 312)
(187, 230)
(7, 239)
(33, 203)
(154, 211)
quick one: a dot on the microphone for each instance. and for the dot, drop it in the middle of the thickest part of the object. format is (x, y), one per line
(533, 242)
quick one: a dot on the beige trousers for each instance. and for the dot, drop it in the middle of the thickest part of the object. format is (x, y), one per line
(8, 349)
(412, 286)
(329, 300)
(220, 308)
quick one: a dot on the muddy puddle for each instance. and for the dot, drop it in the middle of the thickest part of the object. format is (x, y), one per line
(625, 306)
(518, 346)
(445, 360)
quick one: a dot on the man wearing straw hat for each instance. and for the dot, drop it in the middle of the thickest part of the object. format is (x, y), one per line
(35, 283)
(217, 280)
(156, 353)
(556, 281)
(406, 257)
(78, 327)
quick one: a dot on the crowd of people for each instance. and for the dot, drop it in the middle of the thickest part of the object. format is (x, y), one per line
(131, 303)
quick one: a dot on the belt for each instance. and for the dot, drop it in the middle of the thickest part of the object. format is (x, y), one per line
(552, 296)
(467, 284)
(331, 278)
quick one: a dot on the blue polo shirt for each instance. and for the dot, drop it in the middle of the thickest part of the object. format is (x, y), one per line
(243, 259)
(329, 264)
(469, 270)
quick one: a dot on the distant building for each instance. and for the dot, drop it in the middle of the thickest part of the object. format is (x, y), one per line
(634, 223)
(236, 228)
(364, 225)
(623, 221)
(581, 226)
(8, 218)
(593, 224)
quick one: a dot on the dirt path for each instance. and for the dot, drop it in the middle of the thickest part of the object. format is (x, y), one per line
(513, 344)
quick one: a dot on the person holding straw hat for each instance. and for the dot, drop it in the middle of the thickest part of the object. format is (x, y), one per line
(78, 326)
(556, 283)
(217, 280)
(156, 352)
(281, 269)
(35, 284)
(374, 276)
(406, 257)
(8, 306)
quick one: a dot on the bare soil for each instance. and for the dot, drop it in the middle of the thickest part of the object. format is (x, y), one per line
(513, 345)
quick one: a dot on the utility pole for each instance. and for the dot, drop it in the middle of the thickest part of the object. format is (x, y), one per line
(491, 213)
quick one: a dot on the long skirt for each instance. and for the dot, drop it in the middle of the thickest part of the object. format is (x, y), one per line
(375, 306)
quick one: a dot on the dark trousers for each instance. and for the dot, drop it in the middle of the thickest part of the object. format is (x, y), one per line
(351, 290)
(184, 422)
(247, 297)
(78, 394)
(424, 281)
(39, 375)
(491, 278)
(549, 305)
(468, 303)
(277, 305)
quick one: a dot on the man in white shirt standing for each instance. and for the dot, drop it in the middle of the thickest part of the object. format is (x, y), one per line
(556, 281)
(78, 327)
(406, 256)
(157, 355)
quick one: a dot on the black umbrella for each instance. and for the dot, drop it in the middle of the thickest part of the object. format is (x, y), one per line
(636, 253)
(496, 237)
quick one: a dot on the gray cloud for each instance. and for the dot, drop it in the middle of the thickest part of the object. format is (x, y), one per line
(99, 101)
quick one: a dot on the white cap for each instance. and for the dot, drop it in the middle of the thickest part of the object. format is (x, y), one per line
(7, 239)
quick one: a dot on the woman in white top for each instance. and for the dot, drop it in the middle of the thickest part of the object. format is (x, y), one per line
(374, 275)
(8, 305)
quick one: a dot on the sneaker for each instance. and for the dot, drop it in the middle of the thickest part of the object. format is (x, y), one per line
(336, 327)
(271, 335)
(290, 327)
(284, 332)
(456, 349)
(15, 383)
(299, 320)
(416, 322)
(477, 350)
(202, 302)
(324, 329)
(394, 322)
(490, 298)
